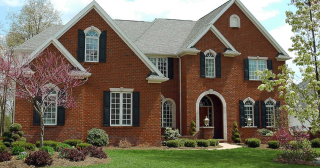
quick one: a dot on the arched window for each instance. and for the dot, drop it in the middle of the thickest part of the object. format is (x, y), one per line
(270, 107)
(51, 105)
(166, 114)
(248, 111)
(92, 46)
(205, 102)
(234, 21)
(210, 63)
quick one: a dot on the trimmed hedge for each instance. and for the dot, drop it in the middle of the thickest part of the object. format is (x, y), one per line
(72, 142)
(15, 127)
(83, 145)
(213, 142)
(190, 143)
(315, 143)
(253, 142)
(53, 144)
(273, 144)
(48, 149)
(173, 143)
(203, 143)
(28, 146)
(97, 137)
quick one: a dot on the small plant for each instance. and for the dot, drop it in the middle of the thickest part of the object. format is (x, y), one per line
(124, 144)
(253, 142)
(213, 142)
(235, 133)
(20, 133)
(97, 137)
(190, 143)
(7, 134)
(315, 143)
(17, 149)
(22, 155)
(30, 146)
(53, 144)
(173, 143)
(39, 158)
(265, 132)
(203, 143)
(171, 134)
(7, 144)
(98, 153)
(5, 156)
(15, 127)
(18, 143)
(193, 128)
(73, 155)
(62, 146)
(23, 139)
(273, 144)
(181, 142)
(73, 142)
(48, 149)
(3, 148)
(83, 145)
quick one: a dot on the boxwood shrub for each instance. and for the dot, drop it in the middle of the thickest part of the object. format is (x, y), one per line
(17, 149)
(213, 142)
(53, 144)
(20, 133)
(173, 143)
(315, 143)
(253, 142)
(3, 148)
(83, 145)
(203, 143)
(48, 149)
(97, 137)
(15, 127)
(273, 144)
(30, 146)
(190, 143)
(15, 136)
(18, 143)
(73, 142)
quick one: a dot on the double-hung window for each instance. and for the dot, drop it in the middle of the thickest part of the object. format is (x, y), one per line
(270, 107)
(166, 116)
(92, 46)
(255, 65)
(210, 65)
(121, 109)
(248, 111)
(161, 64)
(50, 112)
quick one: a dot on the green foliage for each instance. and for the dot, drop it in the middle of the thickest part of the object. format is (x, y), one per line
(7, 134)
(83, 145)
(181, 142)
(3, 148)
(7, 144)
(18, 143)
(315, 143)
(273, 144)
(173, 143)
(48, 149)
(23, 139)
(22, 155)
(15, 136)
(213, 142)
(253, 142)
(97, 137)
(72, 142)
(17, 149)
(7, 140)
(235, 133)
(171, 134)
(62, 146)
(15, 127)
(30, 146)
(53, 144)
(203, 143)
(265, 132)
(190, 143)
(193, 128)
(20, 133)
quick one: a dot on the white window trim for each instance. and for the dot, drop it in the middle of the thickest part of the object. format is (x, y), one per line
(257, 58)
(173, 111)
(56, 89)
(85, 47)
(253, 102)
(121, 89)
(274, 108)
(214, 57)
(157, 64)
(121, 109)
(232, 17)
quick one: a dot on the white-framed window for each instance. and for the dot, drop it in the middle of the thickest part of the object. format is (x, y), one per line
(161, 64)
(166, 116)
(210, 64)
(248, 111)
(235, 21)
(51, 104)
(92, 46)
(121, 108)
(270, 112)
(254, 65)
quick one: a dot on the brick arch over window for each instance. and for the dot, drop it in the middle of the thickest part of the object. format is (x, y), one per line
(224, 110)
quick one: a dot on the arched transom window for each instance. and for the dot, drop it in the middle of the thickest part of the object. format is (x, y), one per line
(166, 116)
(92, 46)
(210, 65)
(205, 102)
(248, 111)
(270, 113)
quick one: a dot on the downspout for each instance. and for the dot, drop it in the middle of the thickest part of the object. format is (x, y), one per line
(180, 95)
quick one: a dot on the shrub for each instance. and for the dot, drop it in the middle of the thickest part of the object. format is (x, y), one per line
(73, 142)
(83, 145)
(124, 144)
(315, 143)
(18, 143)
(23, 139)
(20, 133)
(181, 142)
(7, 134)
(213, 142)
(171, 134)
(3, 148)
(5, 156)
(97, 137)
(17, 149)
(62, 146)
(53, 144)
(190, 143)
(73, 155)
(22, 155)
(253, 142)
(98, 153)
(15, 127)
(48, 149)
(203, 143)
(235, 133)
(173, 143)
(30, 146)
(273, 144)
(193, 128)
(39, 158)
(265, 132)
(7, 139)
(7, 144)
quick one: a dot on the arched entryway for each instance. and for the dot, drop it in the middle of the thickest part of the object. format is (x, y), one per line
(212, 104)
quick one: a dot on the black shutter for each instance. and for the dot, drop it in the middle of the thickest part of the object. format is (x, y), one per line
(36, 117)
(270, 67)
(218, 65)
(241, 105)
(136, 109)
(202, 65)
(256, 114)
(61, 116)
(106, 108)
(246, 69)
(81, 45)
(278, 104)
(263, 115)
(103, 47)
(170, 68)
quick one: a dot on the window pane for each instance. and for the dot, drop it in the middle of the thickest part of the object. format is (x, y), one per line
(50, 112)
(166, 111)
(92, 40)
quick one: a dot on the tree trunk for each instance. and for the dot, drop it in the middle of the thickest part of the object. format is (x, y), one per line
(41, 129)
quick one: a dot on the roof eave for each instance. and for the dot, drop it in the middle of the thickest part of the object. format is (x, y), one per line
(230, 53)
(156, 79)
(188, 51)
(283, 58)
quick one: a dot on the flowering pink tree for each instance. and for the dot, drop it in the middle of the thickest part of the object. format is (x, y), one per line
(44, 81)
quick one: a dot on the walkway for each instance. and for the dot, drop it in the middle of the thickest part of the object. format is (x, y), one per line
(228, 146)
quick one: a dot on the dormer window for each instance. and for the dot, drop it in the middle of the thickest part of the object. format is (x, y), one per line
(234, 21)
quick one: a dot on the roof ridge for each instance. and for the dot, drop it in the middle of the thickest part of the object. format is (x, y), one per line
(146, 30)
(174, 19)
(133, 20)
(214, 10)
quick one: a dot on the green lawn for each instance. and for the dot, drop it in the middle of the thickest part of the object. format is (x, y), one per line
(241, 157)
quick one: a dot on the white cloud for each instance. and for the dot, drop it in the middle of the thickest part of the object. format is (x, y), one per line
(257, 8)
(12, 3)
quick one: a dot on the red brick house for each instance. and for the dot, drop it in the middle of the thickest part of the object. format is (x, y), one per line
(149, 75)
